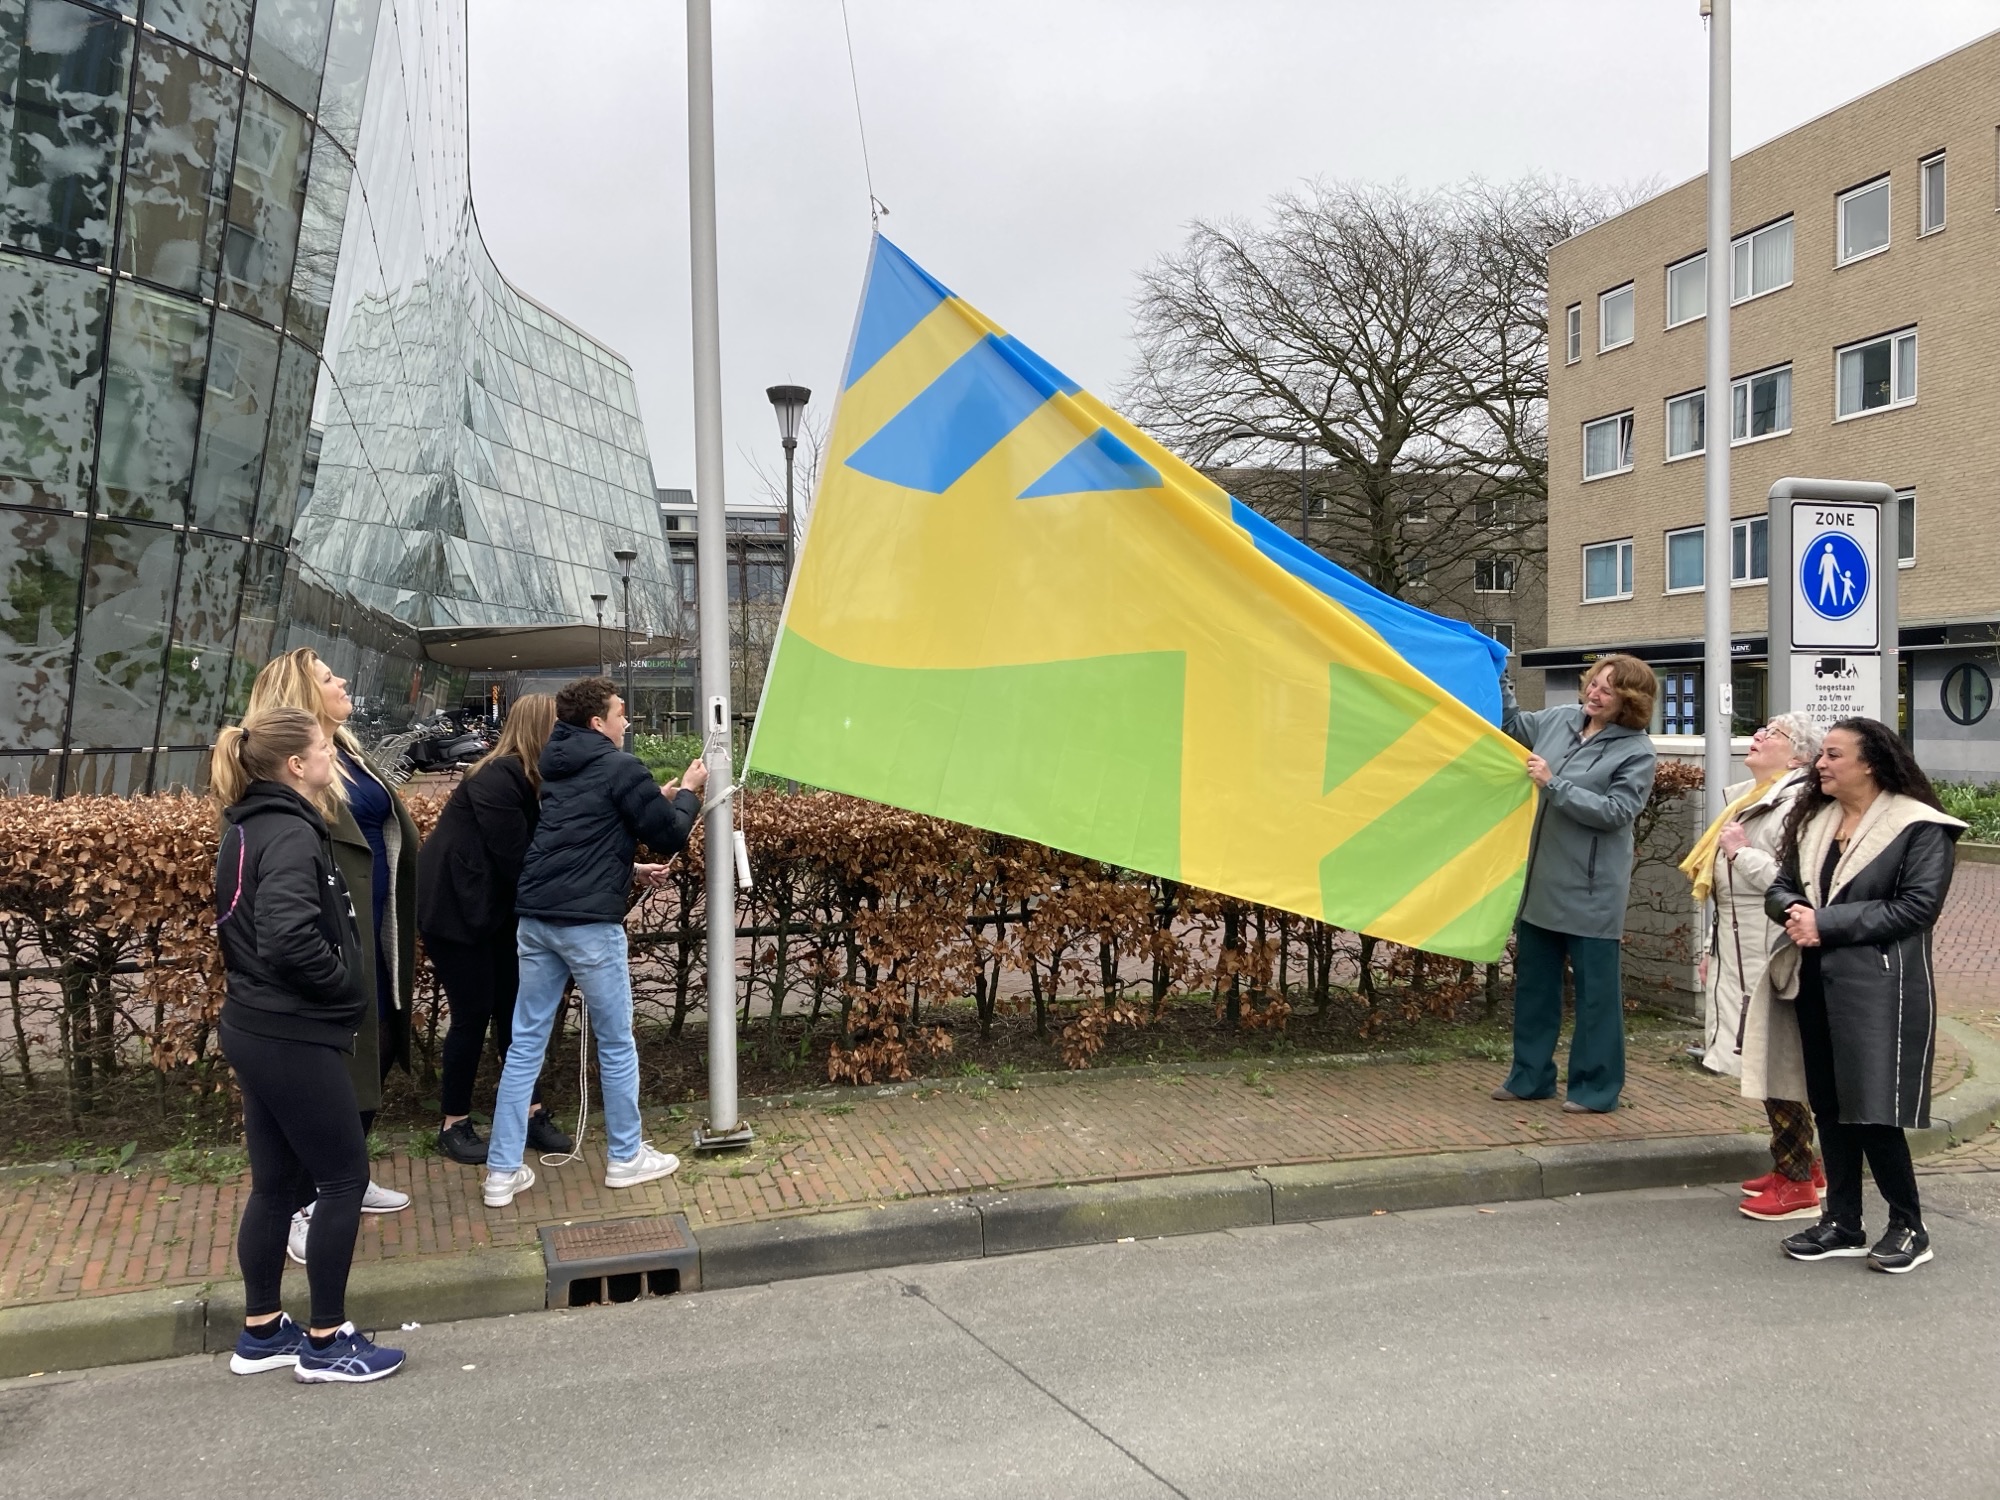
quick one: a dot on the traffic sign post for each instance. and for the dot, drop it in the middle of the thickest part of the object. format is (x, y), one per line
(1832, 600)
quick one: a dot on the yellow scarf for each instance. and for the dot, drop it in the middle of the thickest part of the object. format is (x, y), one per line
(1699, 867)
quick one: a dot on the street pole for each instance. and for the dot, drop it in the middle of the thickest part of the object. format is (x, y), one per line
(722, 1129)
(598, 600)
(1717, 425)
(626, 557)
(1305, 502)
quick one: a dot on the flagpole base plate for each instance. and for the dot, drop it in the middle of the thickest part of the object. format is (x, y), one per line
(708, 1138)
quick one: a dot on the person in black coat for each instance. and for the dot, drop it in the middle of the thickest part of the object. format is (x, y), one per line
(296, 992)
(1864, 869)
(467, 872)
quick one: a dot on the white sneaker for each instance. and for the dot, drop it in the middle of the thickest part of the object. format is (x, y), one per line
(647, 1166)
(295, 1238)
(382, 1200)
(502, 1186)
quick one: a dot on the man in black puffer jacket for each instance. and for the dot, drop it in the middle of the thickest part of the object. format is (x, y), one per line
(598, 805)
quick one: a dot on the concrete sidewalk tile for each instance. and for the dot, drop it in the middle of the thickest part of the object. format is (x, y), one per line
(1615, 1166)
(90, 1331)
(1346, 1189)
(855, 1239)
(1092, 1213)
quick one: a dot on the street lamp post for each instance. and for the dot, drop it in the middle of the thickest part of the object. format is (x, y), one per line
(598, 600)
(626, 557)
(790, 403)
(1305, 497)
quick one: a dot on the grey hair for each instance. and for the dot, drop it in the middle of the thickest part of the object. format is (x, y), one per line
(1806, 734)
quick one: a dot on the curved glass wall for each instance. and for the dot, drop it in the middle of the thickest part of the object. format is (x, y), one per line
(223, 222)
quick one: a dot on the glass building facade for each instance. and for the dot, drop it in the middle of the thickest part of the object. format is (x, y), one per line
(261, 385)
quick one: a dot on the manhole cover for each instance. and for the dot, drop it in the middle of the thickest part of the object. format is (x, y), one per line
(615, 1240)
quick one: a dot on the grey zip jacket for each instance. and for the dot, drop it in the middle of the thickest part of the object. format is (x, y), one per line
(1580, 857)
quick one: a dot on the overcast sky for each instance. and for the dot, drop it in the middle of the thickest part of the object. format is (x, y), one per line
(1036, 155)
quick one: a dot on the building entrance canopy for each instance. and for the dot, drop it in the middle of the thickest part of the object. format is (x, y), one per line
(527, 648)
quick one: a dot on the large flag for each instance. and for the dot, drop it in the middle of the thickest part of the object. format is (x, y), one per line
(1015, 610)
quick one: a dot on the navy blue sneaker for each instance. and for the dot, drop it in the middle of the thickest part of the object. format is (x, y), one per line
(254, 1355)
(351, 1357)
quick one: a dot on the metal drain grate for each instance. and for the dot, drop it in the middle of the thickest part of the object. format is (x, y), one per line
(619, 1260)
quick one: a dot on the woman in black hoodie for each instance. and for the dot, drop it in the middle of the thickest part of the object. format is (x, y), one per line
(296, 992)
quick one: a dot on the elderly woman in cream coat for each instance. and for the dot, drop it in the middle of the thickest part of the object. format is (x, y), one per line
(1748, 1034)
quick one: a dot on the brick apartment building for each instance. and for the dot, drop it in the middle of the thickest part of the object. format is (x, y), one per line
(1865, 344)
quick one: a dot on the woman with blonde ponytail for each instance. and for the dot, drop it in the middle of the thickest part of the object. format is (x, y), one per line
(375, 845)
(296, 992)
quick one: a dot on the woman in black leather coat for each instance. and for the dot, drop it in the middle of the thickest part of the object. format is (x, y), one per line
(1864, 869)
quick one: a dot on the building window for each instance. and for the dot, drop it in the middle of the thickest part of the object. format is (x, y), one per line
(1686, 432)
(1501, 631)
(1574, 339)
(1416, 508)
(1906, 528)
(1864, 220)
(1493, 575)
(1684, 560)
(1761, 261)
(1881, 372)
(1614, 318)
(1607, 445)
(1750, 550)
(1687, 290)
(1931, 171)
(1680, 701)
(1968, 693)
(1498, 512)
(1761, 405)
(1607, 571)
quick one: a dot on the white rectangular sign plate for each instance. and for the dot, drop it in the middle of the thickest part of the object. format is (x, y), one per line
(1833, 686)
(1836, 553)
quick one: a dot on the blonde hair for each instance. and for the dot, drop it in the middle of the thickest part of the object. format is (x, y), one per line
(1634, 683)
(292, 681)
(258, 749)
(527, 729)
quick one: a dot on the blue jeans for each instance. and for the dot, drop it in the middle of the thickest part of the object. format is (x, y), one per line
(593, 953)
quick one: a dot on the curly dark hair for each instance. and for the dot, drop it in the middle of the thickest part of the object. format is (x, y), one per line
(1888, 760)
(585, 699)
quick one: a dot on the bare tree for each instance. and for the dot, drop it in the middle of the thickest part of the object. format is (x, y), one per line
(1399, 336)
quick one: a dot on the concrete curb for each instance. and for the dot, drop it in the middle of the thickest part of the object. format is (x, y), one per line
(160, 1324)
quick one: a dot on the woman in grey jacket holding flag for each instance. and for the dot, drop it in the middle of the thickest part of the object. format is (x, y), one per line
(1594, 764)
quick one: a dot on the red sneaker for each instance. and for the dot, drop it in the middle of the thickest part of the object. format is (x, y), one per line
(1771, 1180)
(1788, 1200)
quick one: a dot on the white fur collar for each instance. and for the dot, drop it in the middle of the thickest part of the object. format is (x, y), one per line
(1888, 816)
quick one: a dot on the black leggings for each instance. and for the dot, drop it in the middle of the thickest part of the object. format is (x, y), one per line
(480, 981)
(304, 1134)
(1886, 1148)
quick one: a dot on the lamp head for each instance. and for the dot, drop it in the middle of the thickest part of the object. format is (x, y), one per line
(626, 557)
(790, 403)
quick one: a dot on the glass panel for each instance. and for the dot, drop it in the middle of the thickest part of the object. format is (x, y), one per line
(288, 47)
(120, 775)
(129, 579)
(1906, 526)
(1687, 290)
(1864, 221)
(1906, 367)
(1772, 250)
(1739, 270)
(256, 623)
(30, 775)
(1615, 318)
(62, 110)
(53, 317)
(242, 366)
(345, 87)
(1685, 426)
(319, 241)
(1625, 567)
(285, 444)
(159, 345)
(266, 200)
(197, 677)
(41, 570)
(1685, 563)
(1762, 405)
(181, 771)
(1600, 572)
(217, 27)
(1864, 377)
(177, 167)
(1934, 194)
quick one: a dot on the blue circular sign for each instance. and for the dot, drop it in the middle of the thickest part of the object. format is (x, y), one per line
(1833, 575)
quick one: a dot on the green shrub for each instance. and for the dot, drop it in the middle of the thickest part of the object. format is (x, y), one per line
(1977, 805)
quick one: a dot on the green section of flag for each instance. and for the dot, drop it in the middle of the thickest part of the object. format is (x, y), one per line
(1480, 931)
(1083, 755)
(1366, 714)
(1412, 840)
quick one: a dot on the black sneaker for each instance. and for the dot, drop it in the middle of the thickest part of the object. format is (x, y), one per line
(546, 1136)
(462, 1144)
(1901, 1249)
(1826, 1240)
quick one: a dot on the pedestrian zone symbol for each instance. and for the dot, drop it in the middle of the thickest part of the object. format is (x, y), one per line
(1833, 575)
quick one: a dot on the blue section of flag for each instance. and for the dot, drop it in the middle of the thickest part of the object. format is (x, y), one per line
(900, 295)
(1099, 462)
(1040, 371)
(957, 419)
(1459, 659)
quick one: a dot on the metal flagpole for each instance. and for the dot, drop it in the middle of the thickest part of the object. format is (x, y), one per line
(722, 1128)
(1718, 423)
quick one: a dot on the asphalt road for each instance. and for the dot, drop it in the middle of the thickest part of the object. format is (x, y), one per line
(1639, 1344)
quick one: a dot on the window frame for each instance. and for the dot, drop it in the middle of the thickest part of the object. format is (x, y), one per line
(1895, 402)
(1743, 527)
(1623, 566)
(1840, 202)
(1667, 437)
(1925, 228)
(1573, 333)
(1626, 447)
(1906, 495)
(1494, 627)
(1630, 288)
(1699, 257)
(1749, 238)
(1506, 573)
(1744, 383)
(1667, 561)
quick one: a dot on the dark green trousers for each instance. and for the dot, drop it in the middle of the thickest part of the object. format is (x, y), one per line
(1597, 1049)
